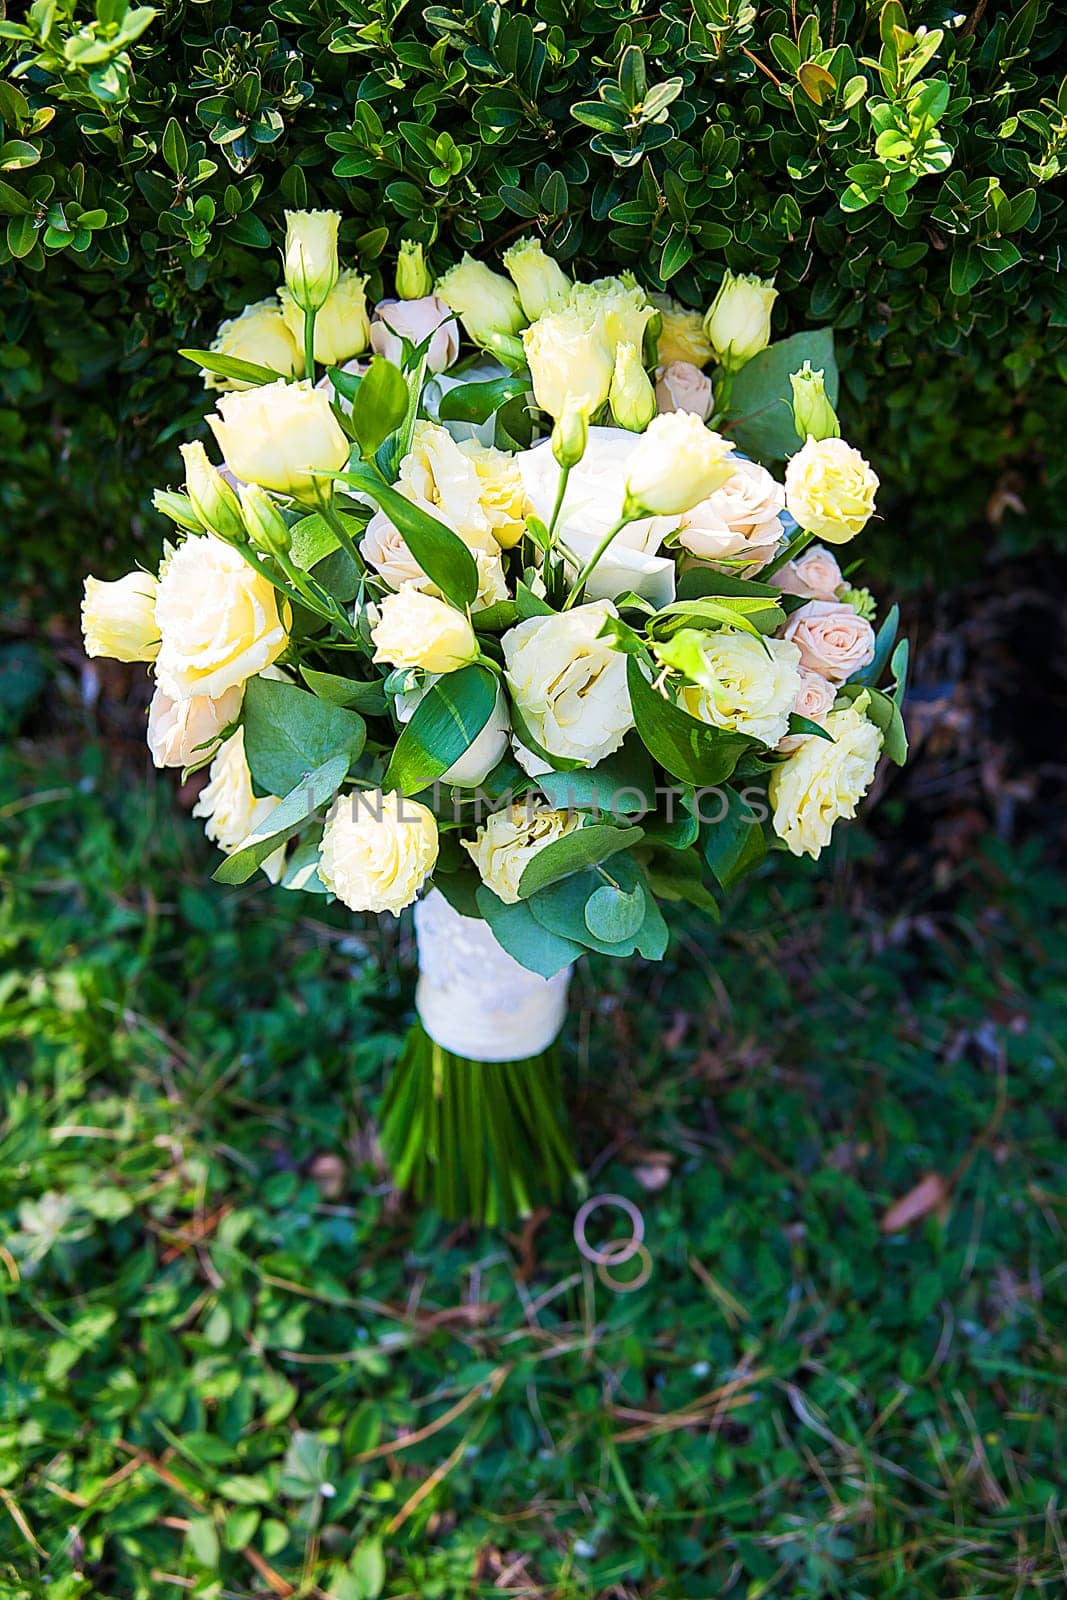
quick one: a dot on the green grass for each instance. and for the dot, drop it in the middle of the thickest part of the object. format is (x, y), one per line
(234, 1364)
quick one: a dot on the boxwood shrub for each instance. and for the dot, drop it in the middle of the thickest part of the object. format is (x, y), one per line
(895, 171)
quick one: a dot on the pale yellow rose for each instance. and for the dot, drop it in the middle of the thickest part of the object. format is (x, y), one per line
(508, 841)
(571, 361)
(738, 321)
(218, 620)
(377, 850)
(181, 732)
(681, 334)
(738, 528)
(310, 257)
(541, 281)
(744, 685)
(569, 684)
(620, 307)
(418, 630)
(342, 324)
(823, 781)
(830, 490)
(485, 301)
(280, 436)
(815, 700)
(119, 619)
(259, 335)
(502, 494)
(413, 280)
(681, 386)
(440, 475)
(833, 639)
(210, 495)
(633, 399)
(677, 463)
(231, 810)
(814, 575)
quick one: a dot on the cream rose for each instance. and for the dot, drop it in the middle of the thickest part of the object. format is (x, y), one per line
(485, 301)
(416, 321)
(542, 283)
(119, 619)
(740, 685)
(218, 620)
(502, 493)
(591, 506)
(310, 258)
(439, 474)
(384, 548)
(738, 321)
(377, 850)
(833, 639)
(231, 810)
(259, 335)
(342, 326)
(681, 334)
(830, 490)
(815, 575)
(280, 436)
(569, 684)
(739, 526)
(815, 700)
(482, 755)
(571, 361)
(417, 630)
(677, 463)
(823, 781)
(181, 732)
(681, 386)
(508, 841)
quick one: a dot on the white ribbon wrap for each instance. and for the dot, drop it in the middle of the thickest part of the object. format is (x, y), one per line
(472, 997)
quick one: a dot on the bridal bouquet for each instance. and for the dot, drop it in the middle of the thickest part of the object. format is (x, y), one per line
(494, 606)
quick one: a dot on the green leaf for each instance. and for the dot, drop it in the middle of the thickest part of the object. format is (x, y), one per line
(884, 712)
(175, 150)
(613, 914)
(230, 367)
(518, 931)
(622, 784)
(560, 909)
(441, 554)
(761, 401)
(687, 748)
(291, 814)
(733, 840)
(576, 851)
(369, 698)
(312, 538)
(751, 614)
(445, 724)
(380, 404)
(477, 402)
(203, 1541)
(289, 732)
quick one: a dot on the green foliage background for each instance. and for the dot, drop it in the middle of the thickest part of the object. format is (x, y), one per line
(905, 195)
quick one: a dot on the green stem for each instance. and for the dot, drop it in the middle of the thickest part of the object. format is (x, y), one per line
(336, 526)
(795, 547)
(723, 392)
(583, 577)
(309, 345)
(264, 568)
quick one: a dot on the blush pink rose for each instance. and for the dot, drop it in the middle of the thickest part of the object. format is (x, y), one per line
(833, 640)
(396, 320)
(815, 575)
(815, 700)
(681, 386)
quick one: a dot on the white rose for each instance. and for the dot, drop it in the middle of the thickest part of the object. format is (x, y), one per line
(479, 759)
(508, 841)
(823, 781)
(569, 684)
(815, 575)
(593, 504)
(231, 809)
(815, 700)
(834, 640)
(279, 436)
(830, 490)
(681, 386)
(259, 335)
(218, 620)
(739, 526)
(180, 732)
(119, 619)
(342, 327)
(677, 463)
(417, 630)
(377, 850)
(416, 320)
(743, 687)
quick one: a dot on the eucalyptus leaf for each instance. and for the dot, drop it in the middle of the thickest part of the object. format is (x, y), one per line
(445, 724)
(760, 415)
(289, 816)
(528, 941)
(290, 732)
(584, 847)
